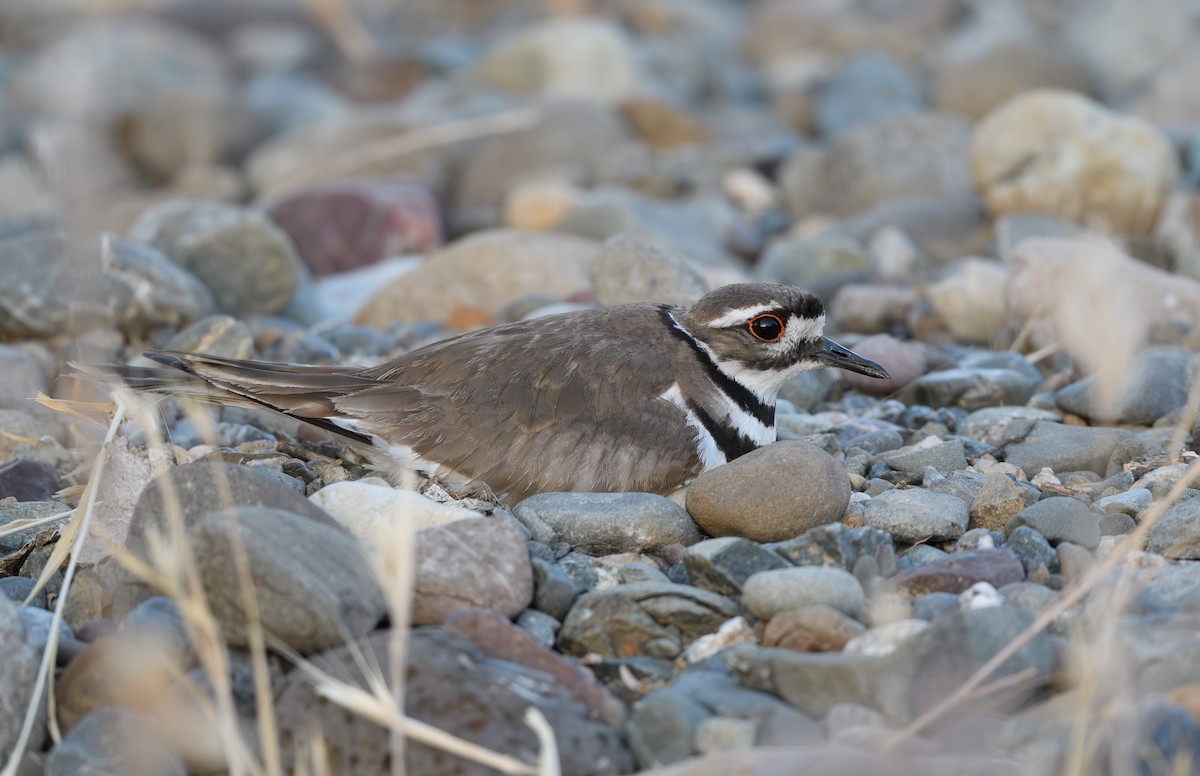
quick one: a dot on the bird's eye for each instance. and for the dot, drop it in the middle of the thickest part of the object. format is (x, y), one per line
(766, 327)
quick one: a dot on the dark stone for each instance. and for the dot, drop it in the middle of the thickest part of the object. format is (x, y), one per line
(29, 480)
(959, 571)
(723, 565)
(837, 545)
(1037, 557)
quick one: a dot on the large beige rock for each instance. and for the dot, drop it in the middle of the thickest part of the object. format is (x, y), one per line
(467, 282)
(970, 302)
(1059, 153)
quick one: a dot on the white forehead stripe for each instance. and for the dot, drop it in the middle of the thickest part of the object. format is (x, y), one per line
(739, 316)
(797, 329)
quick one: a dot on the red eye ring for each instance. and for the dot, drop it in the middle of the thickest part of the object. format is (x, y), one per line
(766, 327)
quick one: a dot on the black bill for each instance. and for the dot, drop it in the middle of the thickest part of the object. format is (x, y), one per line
(833, 354)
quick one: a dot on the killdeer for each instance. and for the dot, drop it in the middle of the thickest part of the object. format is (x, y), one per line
(634, 397)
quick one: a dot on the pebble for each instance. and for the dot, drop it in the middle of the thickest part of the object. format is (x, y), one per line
(1062, 448)
(247, 262)
(969, 388)
(654, 619)
(945, 457)
(769, 592)
(724, 564)
(770, 494)
(17, 673)
(1060, 519)
(115, 740)
(959, 571)
(840, 546)
(1035, 553)
(631, 269)
(819, 263)
(815, 628)
(371, 511)
(916, 515)
(607, 523)
(1123, 192)
(452, 573)
(1177, 533)
(312, 583)
(217, 335)
(868, 88)
(452, 685)
(1000, 498)
(1154, 385)
(870, 309)
(554, 590)
(344, 225)
(885, 639)
(466, 283)
(1131, 502)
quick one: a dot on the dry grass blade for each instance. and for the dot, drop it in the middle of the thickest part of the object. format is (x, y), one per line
(46, 668)
(548, 761)
(1069, 597)
(76, 409)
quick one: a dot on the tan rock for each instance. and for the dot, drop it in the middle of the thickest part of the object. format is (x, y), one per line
(662, 124)
(970, 302)
(870, 309)
(1059, 153)
(817, 628)
(484, 271)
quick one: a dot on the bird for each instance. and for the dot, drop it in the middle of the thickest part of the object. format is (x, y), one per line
(633, 397)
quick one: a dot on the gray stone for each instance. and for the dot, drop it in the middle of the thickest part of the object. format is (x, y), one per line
(216, 335)
(1035, 553)
(999, 499)
(808, 389)
(1060, 447)
(813, 682)
(608, 523)
(541, 626)
(113, 741)
(248, 263)
(944, 457)
(933, 605)
(944, 229)
(477, 562)
(18, 670)
(662, 728)
(990, 424)
(723, 565)
(920, 555)
(553, 588)
(156, 623)
(38, 626)
(1073, 560)
(818, 263)
(1177, 533)
(651, 619)
(770, 494)
(769, 592)
(1149, 444)
(959, 571)
(160, 293)
(630, 269)
(312, 583)
(935, 662)
(1112, 486)
(11, 512)
(26, 480)
(24, 376)
(961, 484)
(842, 547)
(970, 389)
(1154, 385)
(451, 685)
(1060, 519)
(1116, 524)
(868, 88)
(916, 515)
(1128, 503)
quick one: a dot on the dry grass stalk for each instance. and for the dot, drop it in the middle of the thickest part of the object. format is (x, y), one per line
(17, 526)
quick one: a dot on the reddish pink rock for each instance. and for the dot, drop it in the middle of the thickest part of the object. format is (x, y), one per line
(344, 225)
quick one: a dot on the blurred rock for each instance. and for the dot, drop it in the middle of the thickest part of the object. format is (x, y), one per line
(911, 156)
(160, 293)
(538, 204)
(695, 229)
(29, 480)
(970, 301)
(115, 740)
(944, 229)
(904, 361)
(217, 335)
(1113, 191)
(339, 226)
(565, 57)
(868, 88)
(630, 269)
(450, 685)
(1171, 98)
(662, 124)
(471, 279)
(472, 563)
(247, 262)
(973, 82)
(870, 309)
(1155, 384)
(1040, 444)
(18, 672)
(160, 93)
(564, 143)
(819, 264)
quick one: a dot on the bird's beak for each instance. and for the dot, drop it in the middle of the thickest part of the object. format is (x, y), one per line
(832, 354)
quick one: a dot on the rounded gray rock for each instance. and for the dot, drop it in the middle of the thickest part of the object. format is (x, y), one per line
(769, 592)
(630, 269)
(1177, 532)
(18, 670)
(1060, 519)
(608, 523)
(916, 515)
(248, 263)
(478, 562)
(770, 494)
(312, 583)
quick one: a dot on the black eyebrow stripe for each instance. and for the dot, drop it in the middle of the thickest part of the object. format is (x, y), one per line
(738, 393)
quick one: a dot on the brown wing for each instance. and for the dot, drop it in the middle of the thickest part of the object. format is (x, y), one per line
(557, 403)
